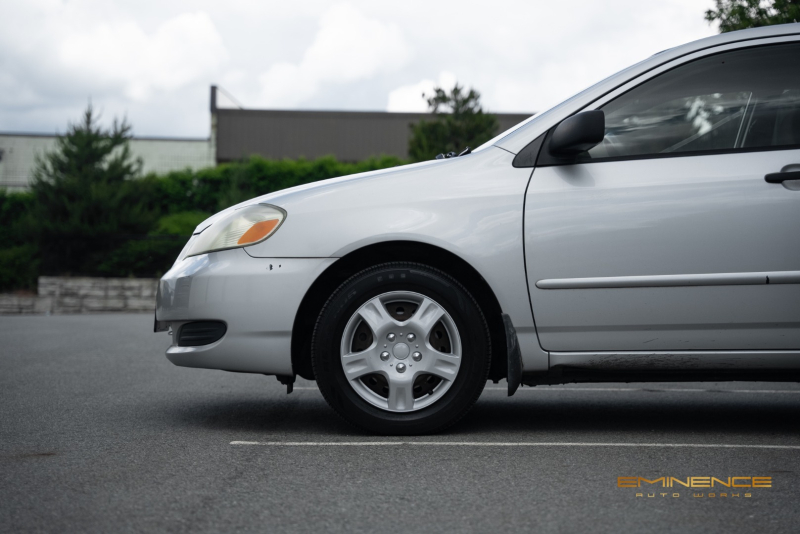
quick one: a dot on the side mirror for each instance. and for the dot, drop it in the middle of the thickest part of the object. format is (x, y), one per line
(578, 133)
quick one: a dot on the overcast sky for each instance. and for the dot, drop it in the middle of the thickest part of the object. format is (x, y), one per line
(154, 60)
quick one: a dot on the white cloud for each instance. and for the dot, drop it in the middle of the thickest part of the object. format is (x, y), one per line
(349, 47)
(154, 60)
(568, 53)
(412, 98)
(180, 51)
(56, 55)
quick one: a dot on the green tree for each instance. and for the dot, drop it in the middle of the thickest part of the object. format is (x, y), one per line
(740, 14)
(85, 199)
(458, 122)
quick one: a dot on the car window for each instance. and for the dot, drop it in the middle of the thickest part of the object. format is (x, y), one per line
(743, 99)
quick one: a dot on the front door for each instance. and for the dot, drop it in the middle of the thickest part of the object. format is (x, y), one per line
(667, 236)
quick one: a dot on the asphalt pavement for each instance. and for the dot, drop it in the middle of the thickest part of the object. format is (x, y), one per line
(100, 433)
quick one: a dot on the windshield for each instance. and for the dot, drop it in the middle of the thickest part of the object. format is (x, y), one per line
(537, 117)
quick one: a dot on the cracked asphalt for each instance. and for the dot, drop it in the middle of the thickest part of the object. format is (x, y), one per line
(100, 433)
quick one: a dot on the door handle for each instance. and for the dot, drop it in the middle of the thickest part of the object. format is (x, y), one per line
(780, 177)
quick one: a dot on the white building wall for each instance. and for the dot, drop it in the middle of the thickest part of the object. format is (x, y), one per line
(164, 155)
(18, 158)
(160, 155)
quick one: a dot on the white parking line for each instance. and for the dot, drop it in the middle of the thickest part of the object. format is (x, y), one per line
(648, 390)
(683, 390)
(504, 444)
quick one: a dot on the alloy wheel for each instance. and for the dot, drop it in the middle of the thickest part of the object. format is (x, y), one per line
(401, 351)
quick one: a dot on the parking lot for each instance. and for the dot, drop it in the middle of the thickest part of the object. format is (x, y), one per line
(100, 433)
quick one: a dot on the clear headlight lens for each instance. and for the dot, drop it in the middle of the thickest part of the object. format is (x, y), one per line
(240, 228)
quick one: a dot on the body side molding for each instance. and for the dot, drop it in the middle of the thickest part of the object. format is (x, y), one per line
(673, 280)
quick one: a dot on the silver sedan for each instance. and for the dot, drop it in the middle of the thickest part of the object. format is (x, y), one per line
(647, 228)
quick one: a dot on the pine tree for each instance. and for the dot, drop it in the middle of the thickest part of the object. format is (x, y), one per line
(86, 201)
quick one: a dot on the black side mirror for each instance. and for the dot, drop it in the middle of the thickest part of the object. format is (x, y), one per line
(578, 133)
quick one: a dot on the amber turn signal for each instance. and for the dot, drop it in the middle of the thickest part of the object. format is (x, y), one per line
(258, 231)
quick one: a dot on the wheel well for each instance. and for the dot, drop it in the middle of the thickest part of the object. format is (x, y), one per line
(365, 257)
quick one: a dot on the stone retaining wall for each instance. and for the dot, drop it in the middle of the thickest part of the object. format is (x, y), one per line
(58, 294)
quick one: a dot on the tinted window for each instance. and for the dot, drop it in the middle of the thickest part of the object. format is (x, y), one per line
(742, 99)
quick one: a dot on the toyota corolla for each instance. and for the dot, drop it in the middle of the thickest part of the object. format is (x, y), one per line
(646, 229)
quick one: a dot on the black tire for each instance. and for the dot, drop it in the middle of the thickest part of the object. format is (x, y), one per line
(398, 276)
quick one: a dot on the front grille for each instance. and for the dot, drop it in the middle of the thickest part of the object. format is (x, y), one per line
(201, 333)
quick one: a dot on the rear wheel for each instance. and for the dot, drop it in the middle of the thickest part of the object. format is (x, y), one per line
(401, 348)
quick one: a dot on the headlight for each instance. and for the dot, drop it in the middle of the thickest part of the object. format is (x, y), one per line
(240, 228)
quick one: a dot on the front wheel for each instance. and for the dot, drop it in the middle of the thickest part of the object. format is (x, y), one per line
(401, 348)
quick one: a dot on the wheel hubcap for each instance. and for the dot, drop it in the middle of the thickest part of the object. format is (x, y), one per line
(401, 351)
(377, 343)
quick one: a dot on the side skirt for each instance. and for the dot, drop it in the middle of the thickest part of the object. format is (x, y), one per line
(677, 366)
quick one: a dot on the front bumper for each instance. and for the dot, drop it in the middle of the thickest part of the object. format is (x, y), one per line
(257, 299)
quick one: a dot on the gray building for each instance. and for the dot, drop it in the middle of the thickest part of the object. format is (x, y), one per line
(238, 133)
(348, 135)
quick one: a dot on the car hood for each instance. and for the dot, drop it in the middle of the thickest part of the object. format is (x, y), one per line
(297, 193)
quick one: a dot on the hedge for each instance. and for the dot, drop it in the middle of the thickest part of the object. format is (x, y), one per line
(171, 206)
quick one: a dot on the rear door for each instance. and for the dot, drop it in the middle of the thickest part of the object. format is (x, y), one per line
(667, 236)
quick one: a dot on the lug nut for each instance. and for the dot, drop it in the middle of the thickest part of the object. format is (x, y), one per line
(384, 355)
(391, 337)
(417, 356)
(401, 368)
(411, 338)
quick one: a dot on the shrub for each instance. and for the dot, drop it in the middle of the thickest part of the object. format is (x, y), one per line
(19, 262)
(217, 188)
(179, 224)
(13, 209)
(145, 257)
(19, 268)
(152, 255)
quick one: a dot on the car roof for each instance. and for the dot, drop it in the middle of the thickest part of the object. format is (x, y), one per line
(516, 139)
(730, 37)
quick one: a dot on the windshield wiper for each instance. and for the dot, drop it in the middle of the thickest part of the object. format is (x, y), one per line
(449, 155)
